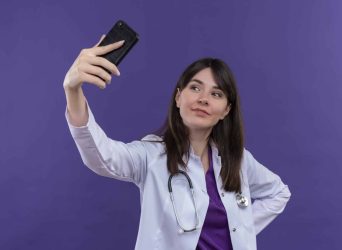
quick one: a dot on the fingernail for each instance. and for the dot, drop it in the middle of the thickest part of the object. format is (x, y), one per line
(118, 73)
(121, 42)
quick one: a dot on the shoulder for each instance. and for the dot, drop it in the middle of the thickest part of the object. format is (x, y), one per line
(247, 157)
(152, 138)
(153, 143)
(248, 164)
(255, 171)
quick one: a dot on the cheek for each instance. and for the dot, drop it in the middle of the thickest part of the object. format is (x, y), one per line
(183, 111)
(219, 112)
(184, 104)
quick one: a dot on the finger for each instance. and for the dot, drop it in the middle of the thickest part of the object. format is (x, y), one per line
(96, 71)
(102, 37)
(103, 62)
(93, 80)
(101, 50)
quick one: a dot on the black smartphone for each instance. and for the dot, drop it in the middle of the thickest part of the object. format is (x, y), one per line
(120, 31)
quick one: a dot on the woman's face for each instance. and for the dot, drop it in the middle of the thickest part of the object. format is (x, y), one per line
(201, 103)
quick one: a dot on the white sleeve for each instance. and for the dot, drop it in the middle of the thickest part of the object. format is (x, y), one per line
(107, 157)
(269, 193)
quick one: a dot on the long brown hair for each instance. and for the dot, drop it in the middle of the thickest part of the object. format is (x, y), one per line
(227, 134)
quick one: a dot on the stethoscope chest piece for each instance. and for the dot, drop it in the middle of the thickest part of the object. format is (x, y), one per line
(241, 200)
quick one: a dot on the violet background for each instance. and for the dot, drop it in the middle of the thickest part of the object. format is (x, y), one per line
(286, 57)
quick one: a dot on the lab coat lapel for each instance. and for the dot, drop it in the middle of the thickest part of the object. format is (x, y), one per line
(228, 198)
(216, 162)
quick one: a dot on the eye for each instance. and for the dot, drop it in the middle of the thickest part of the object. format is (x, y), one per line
(194, 87)
(218, 94)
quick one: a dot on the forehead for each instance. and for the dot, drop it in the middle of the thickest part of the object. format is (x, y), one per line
(205, 77)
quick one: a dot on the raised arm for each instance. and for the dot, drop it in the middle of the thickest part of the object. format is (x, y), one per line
(104, 156)
(88, 67)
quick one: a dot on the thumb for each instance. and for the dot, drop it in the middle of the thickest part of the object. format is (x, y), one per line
(102, 37)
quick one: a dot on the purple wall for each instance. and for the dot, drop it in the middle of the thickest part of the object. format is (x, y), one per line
(286, 56)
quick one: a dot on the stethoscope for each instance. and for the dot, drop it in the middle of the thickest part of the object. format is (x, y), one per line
(241, 200)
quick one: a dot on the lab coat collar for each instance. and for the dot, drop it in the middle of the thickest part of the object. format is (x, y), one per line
(215, 156)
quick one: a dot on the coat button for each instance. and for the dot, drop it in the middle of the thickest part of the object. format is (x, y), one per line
(234, 229)
(222, 194)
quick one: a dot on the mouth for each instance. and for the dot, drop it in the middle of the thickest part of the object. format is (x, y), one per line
(200, 111)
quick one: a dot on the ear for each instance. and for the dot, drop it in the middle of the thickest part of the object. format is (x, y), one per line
(177, 98)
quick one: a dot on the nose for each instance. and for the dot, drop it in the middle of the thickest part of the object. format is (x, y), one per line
(203, 100)
(203, 97)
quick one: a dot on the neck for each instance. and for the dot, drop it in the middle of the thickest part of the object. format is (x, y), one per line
(199, 142)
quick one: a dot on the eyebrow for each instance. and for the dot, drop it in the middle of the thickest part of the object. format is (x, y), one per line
(200, 82)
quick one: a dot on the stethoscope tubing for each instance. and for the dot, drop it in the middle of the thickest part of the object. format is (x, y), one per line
(241, 200)
(183, 229)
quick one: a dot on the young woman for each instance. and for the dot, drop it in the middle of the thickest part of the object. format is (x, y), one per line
(200, 188)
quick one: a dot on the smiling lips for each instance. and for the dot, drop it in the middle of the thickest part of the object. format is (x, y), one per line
(200, 111)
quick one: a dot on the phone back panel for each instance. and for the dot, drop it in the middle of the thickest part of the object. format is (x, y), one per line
(120, 31)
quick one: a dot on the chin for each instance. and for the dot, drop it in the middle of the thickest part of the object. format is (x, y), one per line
(199, 126)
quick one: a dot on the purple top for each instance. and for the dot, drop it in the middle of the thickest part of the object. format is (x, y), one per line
(215, 232)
